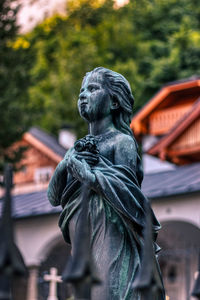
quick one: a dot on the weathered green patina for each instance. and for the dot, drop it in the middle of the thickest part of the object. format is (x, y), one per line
(107, 161)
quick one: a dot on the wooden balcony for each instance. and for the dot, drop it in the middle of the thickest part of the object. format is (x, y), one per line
(190, 138)
(160, 122)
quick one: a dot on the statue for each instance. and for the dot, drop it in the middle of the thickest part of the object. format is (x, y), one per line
(108, 161)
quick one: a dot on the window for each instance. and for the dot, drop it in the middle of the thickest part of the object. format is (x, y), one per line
(43, 175)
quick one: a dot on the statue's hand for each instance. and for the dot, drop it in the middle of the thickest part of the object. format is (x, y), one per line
(90, 158)
(80, 170)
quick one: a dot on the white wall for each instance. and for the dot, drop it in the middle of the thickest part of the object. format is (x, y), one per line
(36, 236)
(184, 208)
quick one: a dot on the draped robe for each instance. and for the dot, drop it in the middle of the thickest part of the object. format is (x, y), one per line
(115, 210)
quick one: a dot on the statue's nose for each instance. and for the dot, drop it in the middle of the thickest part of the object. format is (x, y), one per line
(82, 96)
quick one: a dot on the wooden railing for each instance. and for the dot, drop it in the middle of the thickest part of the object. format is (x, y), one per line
(162, 121)
(190, 138)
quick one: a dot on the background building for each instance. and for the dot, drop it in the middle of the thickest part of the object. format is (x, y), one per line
(168, 126)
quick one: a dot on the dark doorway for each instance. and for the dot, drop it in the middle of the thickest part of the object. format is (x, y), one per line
(57, 258)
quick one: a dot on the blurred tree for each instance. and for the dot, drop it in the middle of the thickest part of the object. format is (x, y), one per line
(68, 47)
(151, 42)
(14, 80)
(169, 41)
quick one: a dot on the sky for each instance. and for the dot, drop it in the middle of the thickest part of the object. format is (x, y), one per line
(33, 12)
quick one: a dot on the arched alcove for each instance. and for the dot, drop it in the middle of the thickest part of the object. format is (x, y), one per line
(51, 243)
(180, 243)
(57, 255)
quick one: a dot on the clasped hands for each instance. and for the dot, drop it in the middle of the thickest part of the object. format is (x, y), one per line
(79, 165)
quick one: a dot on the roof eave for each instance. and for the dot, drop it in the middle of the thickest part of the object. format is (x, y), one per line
(29, 138)
(137, 122)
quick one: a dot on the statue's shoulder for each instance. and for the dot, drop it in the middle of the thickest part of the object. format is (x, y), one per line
(124, 137)
(125, 141)
(126, 149)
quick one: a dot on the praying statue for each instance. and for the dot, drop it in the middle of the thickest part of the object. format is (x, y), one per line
(108, 163)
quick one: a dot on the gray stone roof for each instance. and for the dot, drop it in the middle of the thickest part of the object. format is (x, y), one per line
(32, 204)
(47, 139)
(182, 180)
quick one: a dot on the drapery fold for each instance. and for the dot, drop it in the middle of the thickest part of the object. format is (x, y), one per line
(116, 214)
(118, 185)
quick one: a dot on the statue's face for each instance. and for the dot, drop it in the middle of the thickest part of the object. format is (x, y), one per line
(94, 100)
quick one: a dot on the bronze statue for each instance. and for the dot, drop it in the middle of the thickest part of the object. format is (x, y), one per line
(107, 160)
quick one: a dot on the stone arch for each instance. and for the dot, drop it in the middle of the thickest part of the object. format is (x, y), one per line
(184, 219)
(178, 259)
(56, 254)
(46, 247)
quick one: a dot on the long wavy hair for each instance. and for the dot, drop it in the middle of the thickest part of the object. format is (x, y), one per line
(120, 91)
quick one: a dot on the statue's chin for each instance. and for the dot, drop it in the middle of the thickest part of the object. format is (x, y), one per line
(90, 115)
(84, 115)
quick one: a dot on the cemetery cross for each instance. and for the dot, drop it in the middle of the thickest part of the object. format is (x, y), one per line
(53, 279)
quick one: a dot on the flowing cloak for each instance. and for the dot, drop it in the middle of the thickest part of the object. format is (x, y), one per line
(116, 209)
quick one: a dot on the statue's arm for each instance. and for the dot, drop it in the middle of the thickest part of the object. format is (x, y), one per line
(58, 181)
(126, 152)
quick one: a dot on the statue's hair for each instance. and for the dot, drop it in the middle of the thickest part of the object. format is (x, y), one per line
(119, 89)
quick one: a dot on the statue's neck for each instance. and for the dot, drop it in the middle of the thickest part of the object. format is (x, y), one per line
(101, 126)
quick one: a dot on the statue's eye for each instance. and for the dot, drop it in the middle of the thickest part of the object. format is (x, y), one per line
(92, 89)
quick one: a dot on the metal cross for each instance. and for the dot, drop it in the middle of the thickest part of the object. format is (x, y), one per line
(11, 260)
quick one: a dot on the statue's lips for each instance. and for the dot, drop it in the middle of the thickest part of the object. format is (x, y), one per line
(83, 104)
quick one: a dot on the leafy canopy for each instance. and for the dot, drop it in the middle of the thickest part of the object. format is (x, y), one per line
(14, 82)
(150, 42)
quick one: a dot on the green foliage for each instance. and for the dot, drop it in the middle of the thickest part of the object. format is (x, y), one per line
(169, 41)
(14, 80)
(151, 42)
